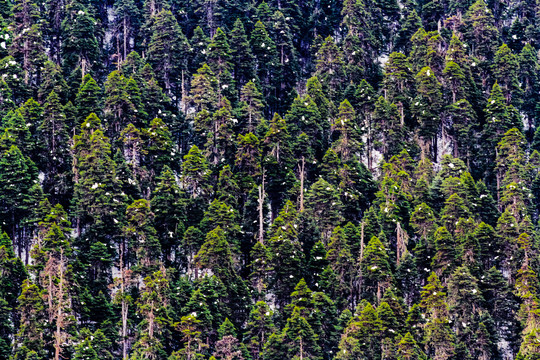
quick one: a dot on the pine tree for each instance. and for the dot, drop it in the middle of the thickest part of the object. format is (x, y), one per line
(17, 132)
(54, 135)
(320, 195)
(199, 316)
(398, 82)
(81, 46)
(287, 68)
(169, 209)
(199, 44)
(248, 155)
(33, 317)
(219, 54)
(427, 105)
(464, 120)
(349, 142)
(54, 279)
(161, 150)
(125, 24)
(340, 260)
(52, 80)
(454, 78)
(304, 116)
(27, 46)
(252, 105)
(260, 327)
(96, 201)
(360, 43)
(505, 71)
(411, 25)
(387, 130)
(142, 237)
(408, 349)
(480, 30)
(286, 255)
(195, 173)
(215, 255)
(242, 58)
(360, 338)
(18, 186)
(439, 337)
(152, 307)
(528, 65)
(88, 99)
(376, 267)
(165, 48)
(464, 299)
(118, 107)
(299, 338)
(315, 91)
(264, 51)
(191, 338)
(6, 98)
(444, 259)
(228, 346)
(330, 67)
(204, 89)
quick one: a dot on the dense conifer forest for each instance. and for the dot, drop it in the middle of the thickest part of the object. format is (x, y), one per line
(280, 180)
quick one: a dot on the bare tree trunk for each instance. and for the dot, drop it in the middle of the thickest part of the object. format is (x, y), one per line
(302, 168)
(124, 303)
(125, 38)
(261, 214)
(184, 95)
(118, 61)
(402, 241)
(59, 313)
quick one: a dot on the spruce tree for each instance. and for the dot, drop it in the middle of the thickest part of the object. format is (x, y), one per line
(165, 49)
(242, 58)
(27, 45)
(54, 135)
(81, 46)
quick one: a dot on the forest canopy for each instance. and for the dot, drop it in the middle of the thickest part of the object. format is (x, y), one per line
(251, 180)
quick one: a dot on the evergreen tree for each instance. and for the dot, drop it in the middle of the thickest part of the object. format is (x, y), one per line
(480, 30)
(81, 46)
(169, 209)
(54, 136)
(18, 178)
(427, 106)
(330, 67)
(88, 99)
(142, 238)
(27, 45)
(125, 24)
(439, 338)
(165, 48)
(152, 307)
(242, 57)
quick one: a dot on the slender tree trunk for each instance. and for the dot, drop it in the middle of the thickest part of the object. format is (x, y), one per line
(59, 312)
(118, 60)
(184, 95)
(261, 214)
(302, 167)
(125, 38)
(124, 303)
(26, 64)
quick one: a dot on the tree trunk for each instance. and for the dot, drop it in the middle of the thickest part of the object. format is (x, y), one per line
(125, 38)
(261, 214)
(302, 167)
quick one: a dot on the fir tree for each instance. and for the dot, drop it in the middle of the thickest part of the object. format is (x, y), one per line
(165, 48)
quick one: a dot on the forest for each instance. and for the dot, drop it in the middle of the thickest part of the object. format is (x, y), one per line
(279, 180)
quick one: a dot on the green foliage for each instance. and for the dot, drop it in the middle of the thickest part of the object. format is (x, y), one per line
(331, 179)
